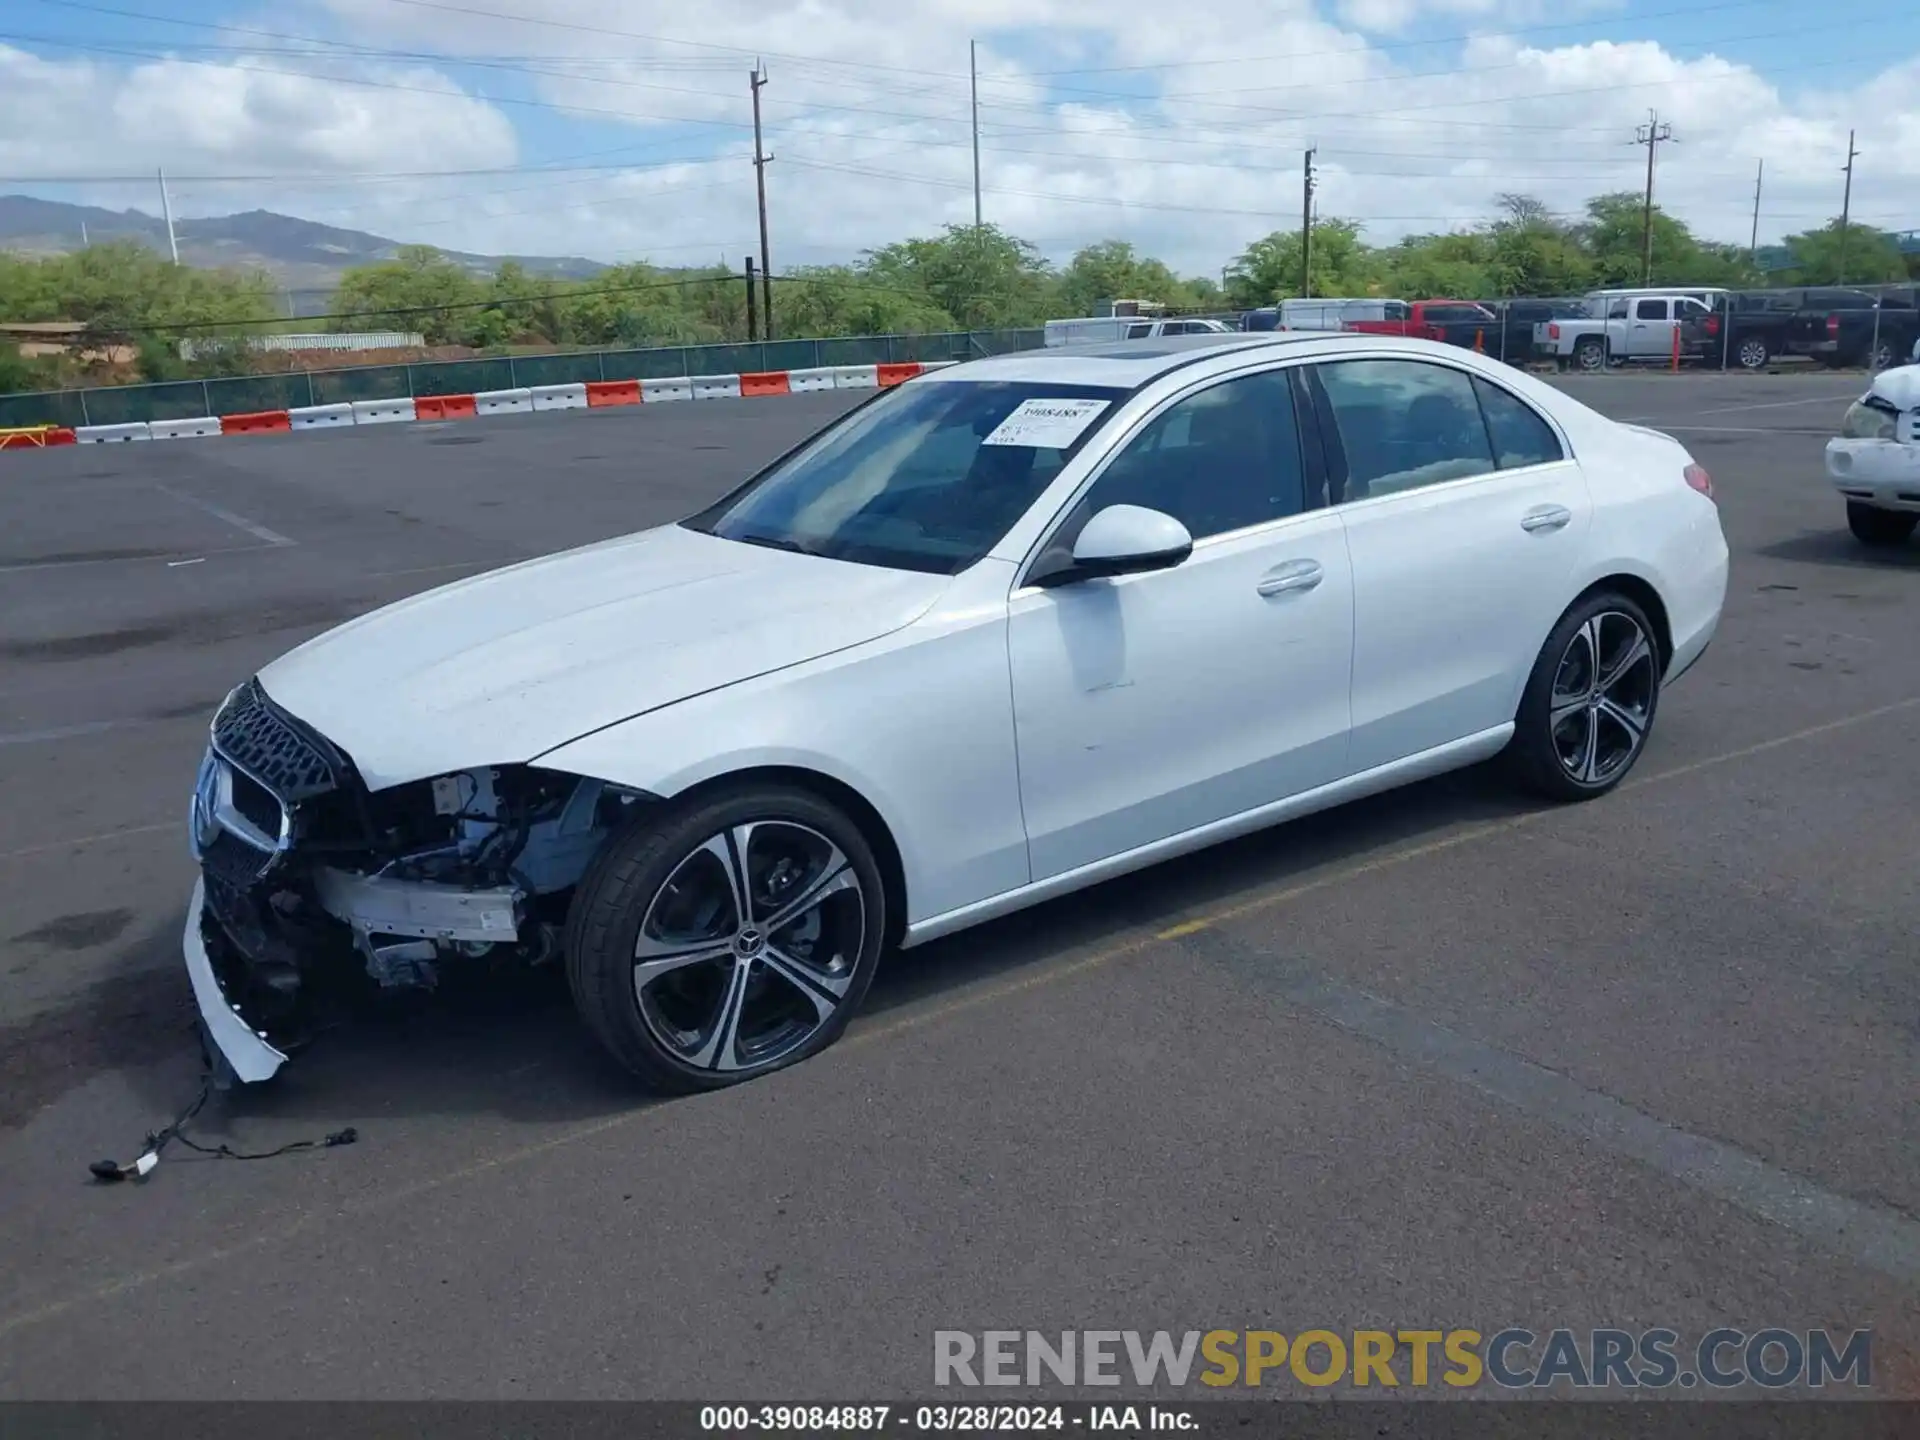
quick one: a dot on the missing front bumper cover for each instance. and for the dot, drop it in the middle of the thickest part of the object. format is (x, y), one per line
(252, 1057)
(377, 905)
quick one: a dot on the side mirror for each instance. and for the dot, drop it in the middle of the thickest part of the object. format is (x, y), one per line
(1123, 540)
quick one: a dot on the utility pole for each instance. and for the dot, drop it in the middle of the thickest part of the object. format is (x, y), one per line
(1649, 135)
(166, 209)
(758, 78)
(973, 76)
(752, 321)
(1753, 240)
(84, 242)
(1846, 210)
(1306, 224)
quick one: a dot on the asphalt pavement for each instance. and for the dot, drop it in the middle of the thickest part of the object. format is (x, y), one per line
(1442, 1059)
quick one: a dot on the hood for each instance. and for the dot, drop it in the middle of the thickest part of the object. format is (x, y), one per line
(502, 667)
(1899, 387)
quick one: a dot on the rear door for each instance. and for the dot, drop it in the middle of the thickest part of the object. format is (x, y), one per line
(1464, 517)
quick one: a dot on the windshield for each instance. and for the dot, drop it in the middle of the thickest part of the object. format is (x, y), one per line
(926, 477)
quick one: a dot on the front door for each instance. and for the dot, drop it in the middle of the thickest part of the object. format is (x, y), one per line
(1148, 705)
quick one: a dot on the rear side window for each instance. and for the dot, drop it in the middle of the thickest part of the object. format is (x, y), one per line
(1520, 436)
(1650, 310)
(1403, 425)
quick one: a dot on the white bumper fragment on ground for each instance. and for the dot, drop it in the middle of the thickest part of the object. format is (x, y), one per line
(251, 1057)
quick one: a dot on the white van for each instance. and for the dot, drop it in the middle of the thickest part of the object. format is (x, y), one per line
(1126, 327)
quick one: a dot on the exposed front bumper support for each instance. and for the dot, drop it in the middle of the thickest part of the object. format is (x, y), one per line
(251, 1057)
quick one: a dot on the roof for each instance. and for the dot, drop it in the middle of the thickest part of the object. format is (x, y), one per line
(1121, 364)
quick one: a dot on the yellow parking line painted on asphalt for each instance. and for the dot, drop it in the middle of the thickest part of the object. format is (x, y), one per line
(138, 1279)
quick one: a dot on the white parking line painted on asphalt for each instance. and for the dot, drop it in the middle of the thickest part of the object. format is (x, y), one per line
(1878, 1239)
(1763, 405)
(239, 522)
(29, 565)
(96, 839)
(64, 732)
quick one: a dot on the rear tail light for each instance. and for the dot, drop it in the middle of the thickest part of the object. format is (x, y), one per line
(1713, 325)
(1698, 478)
(1833, 324)
(1553, 332)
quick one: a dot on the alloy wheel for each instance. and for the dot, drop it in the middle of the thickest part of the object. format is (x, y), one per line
(1753, 355)
(749, 946)
(1603, 697)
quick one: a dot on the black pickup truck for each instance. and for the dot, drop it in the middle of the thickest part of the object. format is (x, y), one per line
(1876, 333)
(1748, 329)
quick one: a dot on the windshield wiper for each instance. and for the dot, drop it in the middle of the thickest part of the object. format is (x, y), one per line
(776, 542)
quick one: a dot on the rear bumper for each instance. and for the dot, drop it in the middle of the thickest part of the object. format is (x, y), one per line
(1882, 473)
(245, 1049)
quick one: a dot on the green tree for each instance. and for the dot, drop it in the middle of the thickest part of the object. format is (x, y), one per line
(400, 294)
(1872, 256)
(1615, 237)
(1269, 268)
(980, 275)
(1114, 270)
(839, 300)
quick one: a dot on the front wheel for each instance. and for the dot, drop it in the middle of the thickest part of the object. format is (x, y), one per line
(726, 938)
(1873, 526)
(1588, 708)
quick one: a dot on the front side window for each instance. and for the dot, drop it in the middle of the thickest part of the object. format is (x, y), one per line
(927, 477)
(1222, 459)
(1402, 425)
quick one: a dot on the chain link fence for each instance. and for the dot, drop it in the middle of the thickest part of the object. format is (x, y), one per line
(235, 395)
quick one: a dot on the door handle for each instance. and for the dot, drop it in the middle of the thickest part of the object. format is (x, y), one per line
(1295, 575)
(1547, 517)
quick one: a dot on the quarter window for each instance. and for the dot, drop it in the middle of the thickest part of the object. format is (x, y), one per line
(1223, 459)
(1520, 436)
(1402, 425)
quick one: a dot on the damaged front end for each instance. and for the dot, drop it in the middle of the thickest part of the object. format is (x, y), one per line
(314, 888)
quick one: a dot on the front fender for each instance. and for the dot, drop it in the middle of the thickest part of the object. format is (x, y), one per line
(919, 724)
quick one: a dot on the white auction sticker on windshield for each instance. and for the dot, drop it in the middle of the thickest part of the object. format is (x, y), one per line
(1046, 424)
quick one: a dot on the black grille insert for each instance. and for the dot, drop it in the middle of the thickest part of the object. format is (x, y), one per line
(253, 732)
(256, 802)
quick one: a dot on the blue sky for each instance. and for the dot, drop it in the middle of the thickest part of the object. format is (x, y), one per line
(1126, 118)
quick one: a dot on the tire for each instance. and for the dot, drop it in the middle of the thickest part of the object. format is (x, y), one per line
(1884, 357)
(1752, 354)
(1874, 526)
(680, 992)
(1573, 739)
(1590, 355)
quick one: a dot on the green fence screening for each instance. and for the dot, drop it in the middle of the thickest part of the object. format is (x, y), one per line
(176, 400)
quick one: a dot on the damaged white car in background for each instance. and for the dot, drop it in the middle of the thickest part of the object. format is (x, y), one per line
(999, 633)
(1875, 461)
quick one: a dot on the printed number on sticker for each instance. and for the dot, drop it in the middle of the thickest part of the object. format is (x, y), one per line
(1046, 424)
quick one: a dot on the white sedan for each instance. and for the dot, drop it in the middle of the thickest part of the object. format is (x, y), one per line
(1007, 630)
(1875, 461)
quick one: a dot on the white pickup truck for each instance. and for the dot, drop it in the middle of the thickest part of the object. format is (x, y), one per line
(1618, 329)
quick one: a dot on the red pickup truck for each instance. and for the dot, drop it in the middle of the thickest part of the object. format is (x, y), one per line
(1453, 321)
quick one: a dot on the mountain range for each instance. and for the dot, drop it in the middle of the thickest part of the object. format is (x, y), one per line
(306, 258)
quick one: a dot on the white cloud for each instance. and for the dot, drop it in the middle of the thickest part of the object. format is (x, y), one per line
(867, 114)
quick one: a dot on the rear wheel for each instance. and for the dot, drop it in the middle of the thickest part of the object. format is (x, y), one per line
(1590, 354)
(728, 938)
(1589, 704)
(1752, 354)
(1874, 526)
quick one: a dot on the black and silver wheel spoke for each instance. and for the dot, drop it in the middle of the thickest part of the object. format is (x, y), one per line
(1602, 697)
(749, 946)
(719, 1049)
(823, 989)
